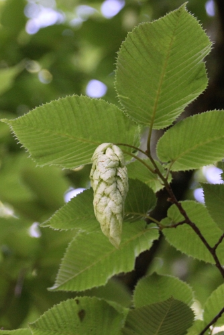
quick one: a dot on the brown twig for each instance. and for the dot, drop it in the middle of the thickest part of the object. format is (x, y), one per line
(187, 219)
(213, 321)
(219, 242)
(175, 225)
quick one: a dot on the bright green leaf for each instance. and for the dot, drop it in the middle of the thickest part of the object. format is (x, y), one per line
(185, 239)
(193, 142)
(78, 213)
(16, 332)
(170, 317)
(160, 68)
(83, 315)
(214, 305)
(91, 260)
(156, 288)
(214, 200)
(67, 131)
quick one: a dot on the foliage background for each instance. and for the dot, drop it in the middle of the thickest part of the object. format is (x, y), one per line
(60, 60)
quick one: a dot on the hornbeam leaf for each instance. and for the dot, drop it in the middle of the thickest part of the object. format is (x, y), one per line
(156, 288)
(213, 305)
(67, 131)
(185, 239)
(83, 315)
(140, 200)
(196, 141)
(170, 317)
(22, 331)
(91, 260)
(160, 68)
(78, 213)
(197, 327)
(214, 200)
(139, 171)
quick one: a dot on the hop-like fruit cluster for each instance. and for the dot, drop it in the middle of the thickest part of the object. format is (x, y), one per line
(109, 180)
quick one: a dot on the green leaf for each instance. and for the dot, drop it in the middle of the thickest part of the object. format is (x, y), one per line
(170, 317)
(91, 260)
(114, 290)
(160, 68)
(214, 200)
(193, 142)
(16, 332)
(67, 131)
(139, 171)
(197, 327)
(184, 238)
(214, 305)
(82, 315)
(78, 213)
(157, 288)
(7, 77)
(140, 200)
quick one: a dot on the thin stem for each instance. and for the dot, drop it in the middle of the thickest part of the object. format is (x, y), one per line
(187, 219)
(218, 243)
(195, 228)
(141, 160)
(133, 147)
(213, 321)
(173, 225)
(149, 137)
(146, 216)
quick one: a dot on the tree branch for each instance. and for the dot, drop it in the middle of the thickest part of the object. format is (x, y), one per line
(219, 242)
(187, 219)
(213, 321)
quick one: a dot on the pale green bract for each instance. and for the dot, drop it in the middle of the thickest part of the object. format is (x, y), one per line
(109, 180)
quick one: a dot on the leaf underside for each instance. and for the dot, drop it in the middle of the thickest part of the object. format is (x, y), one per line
(160, 68)
(66, 132)
(139, 171)
(78, 213)
(194, 142)
(184, 238)
(91, 260)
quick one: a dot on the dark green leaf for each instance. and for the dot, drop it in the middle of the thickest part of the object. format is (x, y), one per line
(156, 288)
(170, 317)
(214, 200)
(82, 315)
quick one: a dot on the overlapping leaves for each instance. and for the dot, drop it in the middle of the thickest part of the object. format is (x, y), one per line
(91, 260)
(67, 131)
(184, 237)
